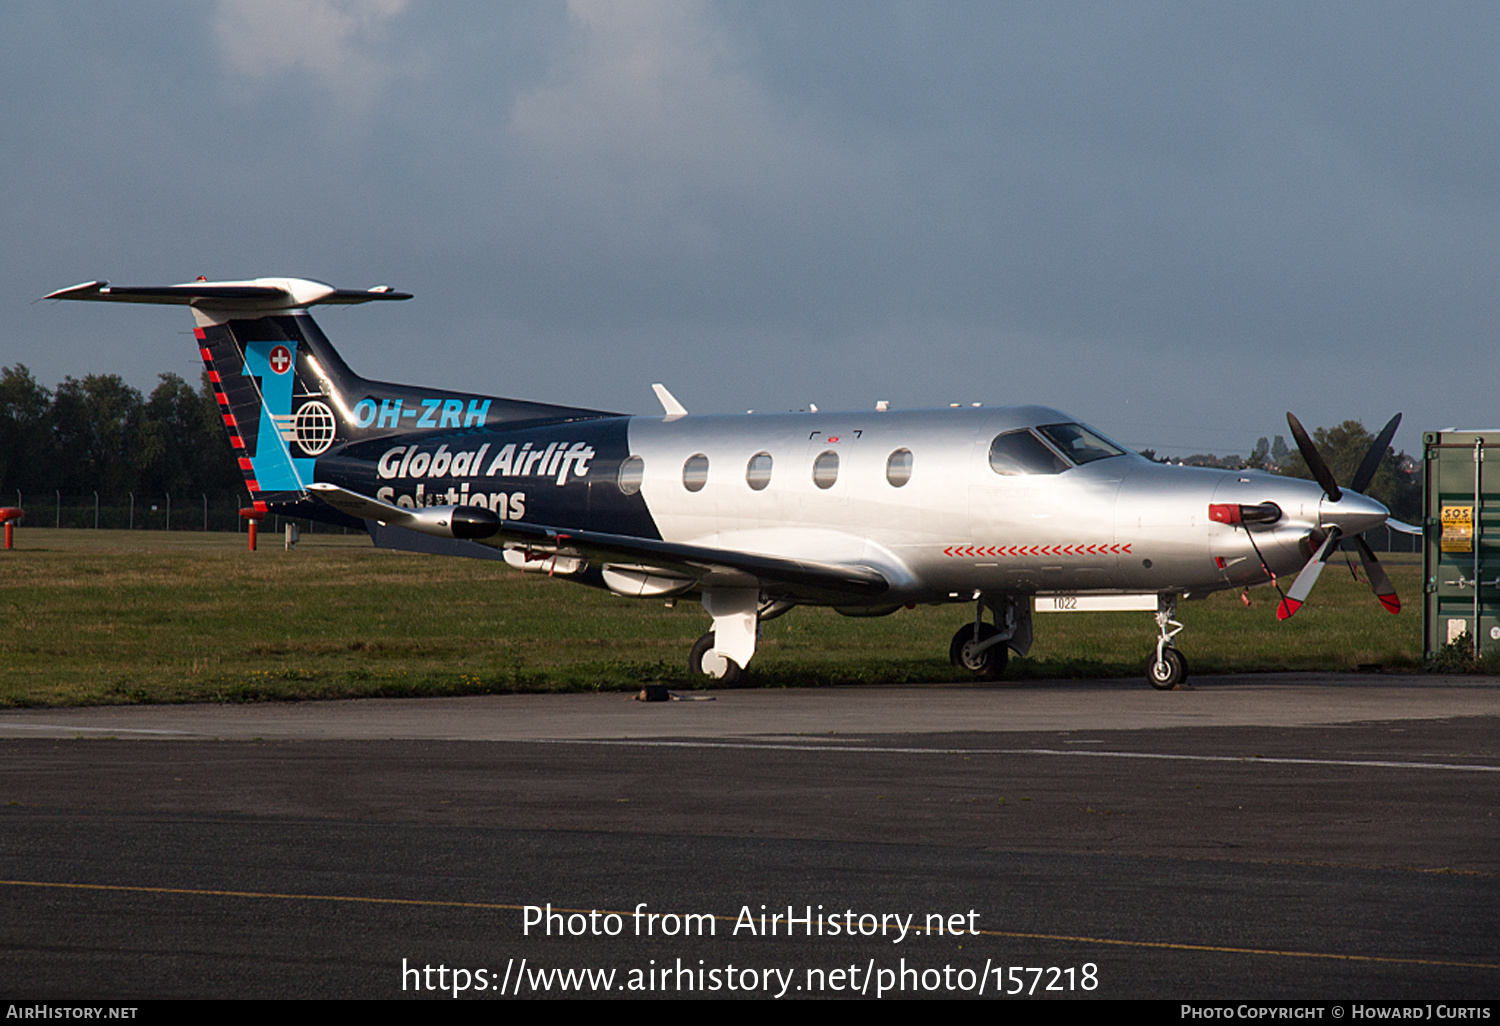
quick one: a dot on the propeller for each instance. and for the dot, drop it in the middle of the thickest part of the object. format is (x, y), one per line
(1380, 583)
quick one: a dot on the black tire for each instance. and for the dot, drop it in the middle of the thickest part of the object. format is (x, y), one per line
(986, 665)
(1169, 673)
(703, 648)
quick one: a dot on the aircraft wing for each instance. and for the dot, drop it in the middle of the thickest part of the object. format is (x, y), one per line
(806, 578)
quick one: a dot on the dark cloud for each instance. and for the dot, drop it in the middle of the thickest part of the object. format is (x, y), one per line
(1177, 220)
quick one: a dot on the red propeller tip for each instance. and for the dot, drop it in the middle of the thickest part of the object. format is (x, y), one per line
(1391, 602)
(1287, 608)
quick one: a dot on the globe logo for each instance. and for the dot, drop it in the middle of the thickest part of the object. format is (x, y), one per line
(315, 427)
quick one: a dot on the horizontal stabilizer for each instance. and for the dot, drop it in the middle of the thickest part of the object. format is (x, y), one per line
(259, 294)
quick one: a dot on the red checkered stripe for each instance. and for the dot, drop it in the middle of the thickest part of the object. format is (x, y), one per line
(970, 551)
(230, 424)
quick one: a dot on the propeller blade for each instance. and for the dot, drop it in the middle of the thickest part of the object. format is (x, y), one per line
(1314, 461)
(1371, 463)
(1306, 577)
(1380, 584)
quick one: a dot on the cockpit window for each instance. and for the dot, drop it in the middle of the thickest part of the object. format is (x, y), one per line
(1078, 443)
(1021, 452)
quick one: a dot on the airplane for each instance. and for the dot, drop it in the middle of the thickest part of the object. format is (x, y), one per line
(865, 511)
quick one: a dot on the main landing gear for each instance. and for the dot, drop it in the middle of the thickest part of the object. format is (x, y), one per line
(1168, 668)
(724, 652)
(703, 659)
(984, 648)
(978, 649)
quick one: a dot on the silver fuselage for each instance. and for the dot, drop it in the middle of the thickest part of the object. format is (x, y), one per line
(955, 526)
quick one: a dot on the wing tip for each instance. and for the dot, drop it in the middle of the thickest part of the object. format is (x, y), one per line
(83, 290)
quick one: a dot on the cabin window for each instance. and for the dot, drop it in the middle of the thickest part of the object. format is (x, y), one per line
(1021, 452)
(898, 467)
(826, 469)
(1078, 443)
(695, 472)
(632, 472)
(758, 471)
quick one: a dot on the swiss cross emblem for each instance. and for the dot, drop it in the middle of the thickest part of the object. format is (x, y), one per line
(281, 359)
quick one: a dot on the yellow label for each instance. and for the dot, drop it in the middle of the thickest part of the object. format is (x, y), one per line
(1458, 529)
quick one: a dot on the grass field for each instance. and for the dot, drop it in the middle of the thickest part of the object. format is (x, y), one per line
(95, 617)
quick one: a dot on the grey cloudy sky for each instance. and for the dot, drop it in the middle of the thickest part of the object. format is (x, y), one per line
(1176, 221)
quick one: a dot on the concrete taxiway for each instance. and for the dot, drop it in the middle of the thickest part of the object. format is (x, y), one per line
(1302, 836)
(1264, 700)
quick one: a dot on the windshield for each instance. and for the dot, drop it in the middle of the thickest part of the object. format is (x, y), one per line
(1078, 443)
(1021, 452)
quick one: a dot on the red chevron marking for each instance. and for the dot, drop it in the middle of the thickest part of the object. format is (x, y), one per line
(1070, 549)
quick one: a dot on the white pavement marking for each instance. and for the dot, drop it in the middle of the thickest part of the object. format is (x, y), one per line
(68, 729)
(890, 750)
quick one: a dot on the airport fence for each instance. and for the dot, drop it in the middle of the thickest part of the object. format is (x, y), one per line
(1383, 539)
(144, 511)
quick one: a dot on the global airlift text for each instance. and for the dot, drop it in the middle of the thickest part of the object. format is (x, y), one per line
(556, 460)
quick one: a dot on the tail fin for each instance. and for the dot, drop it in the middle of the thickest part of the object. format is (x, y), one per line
(286, 395)
(279, 412)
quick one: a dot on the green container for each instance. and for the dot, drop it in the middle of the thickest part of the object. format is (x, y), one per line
(1461, 540)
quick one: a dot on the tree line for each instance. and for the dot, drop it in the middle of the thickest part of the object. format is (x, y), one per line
(100, 434)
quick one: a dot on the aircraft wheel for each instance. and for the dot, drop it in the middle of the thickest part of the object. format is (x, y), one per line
(1170, 672)
(988, 664)
(721, 668)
